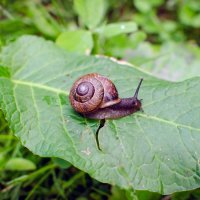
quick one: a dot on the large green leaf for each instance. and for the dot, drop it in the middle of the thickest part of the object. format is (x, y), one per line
(156, 150)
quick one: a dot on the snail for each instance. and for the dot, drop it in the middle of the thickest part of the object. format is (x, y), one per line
(96, 97)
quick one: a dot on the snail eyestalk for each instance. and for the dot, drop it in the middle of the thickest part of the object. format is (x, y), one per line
(138, 88)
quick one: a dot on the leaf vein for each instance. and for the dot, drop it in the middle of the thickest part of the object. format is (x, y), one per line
(40, 86)
(166, 121)
(37, 112)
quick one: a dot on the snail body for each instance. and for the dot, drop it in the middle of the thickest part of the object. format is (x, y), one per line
(96, 97)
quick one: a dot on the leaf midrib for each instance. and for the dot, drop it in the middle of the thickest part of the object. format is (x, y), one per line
(59, 91)
(40, 86)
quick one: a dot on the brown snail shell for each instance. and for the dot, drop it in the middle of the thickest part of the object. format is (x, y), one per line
(91, 92)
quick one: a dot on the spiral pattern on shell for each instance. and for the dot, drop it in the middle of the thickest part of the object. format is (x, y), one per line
(86, 94)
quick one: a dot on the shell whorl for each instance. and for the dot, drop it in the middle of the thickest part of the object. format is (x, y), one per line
(86, 94)
(91, 92)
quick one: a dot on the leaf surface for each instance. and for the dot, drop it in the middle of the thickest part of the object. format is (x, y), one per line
(156, 150)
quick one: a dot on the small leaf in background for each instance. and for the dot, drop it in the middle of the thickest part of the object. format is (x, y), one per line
(114, 29)
(91, 12)
(146, 195)
(189, 13)
(120, 45)
(147, 5)
(12, 29)
(117, 193)
(152, 24)
(43, 20)
(78, 41)
(61, 163)
(20, 164)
